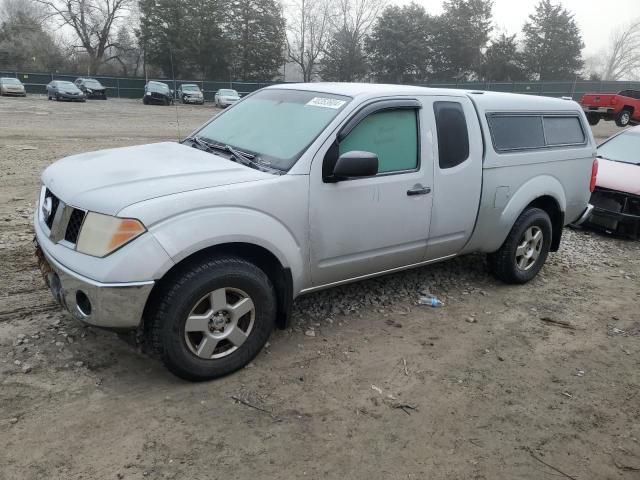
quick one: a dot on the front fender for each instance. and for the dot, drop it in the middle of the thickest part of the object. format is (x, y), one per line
(191, 232)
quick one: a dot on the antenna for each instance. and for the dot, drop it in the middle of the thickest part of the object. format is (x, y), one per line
(173, 78)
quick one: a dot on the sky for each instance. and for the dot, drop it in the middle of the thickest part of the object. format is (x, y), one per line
(596, 18)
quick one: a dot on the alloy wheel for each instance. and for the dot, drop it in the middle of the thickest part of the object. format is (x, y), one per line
(529, 248)
(219, 323)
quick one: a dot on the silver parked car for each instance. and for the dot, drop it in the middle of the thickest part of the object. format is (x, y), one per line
(12, 86)
(225, 97)
(203, 245)
(190, 93)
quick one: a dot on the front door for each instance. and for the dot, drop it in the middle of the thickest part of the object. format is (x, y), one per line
(362, 226)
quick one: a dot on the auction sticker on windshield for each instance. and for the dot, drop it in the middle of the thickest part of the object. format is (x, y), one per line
(326, 102)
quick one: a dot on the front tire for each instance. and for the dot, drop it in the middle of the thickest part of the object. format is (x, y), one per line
(525, 250)
(593, 119)
(213, 318)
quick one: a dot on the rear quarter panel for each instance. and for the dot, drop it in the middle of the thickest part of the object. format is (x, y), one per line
(511, 181)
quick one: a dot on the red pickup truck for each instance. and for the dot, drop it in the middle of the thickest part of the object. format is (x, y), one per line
(623, 107)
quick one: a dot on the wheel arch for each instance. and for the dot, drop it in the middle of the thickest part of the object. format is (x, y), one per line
(550, 205)
(264, 259)
(544, 192)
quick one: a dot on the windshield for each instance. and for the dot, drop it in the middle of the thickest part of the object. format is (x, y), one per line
(67, 85)
(157, 87)
(11, 81)
(190, 88)
(623, 148)
(275, 125)
(89, 82)
(230, 93)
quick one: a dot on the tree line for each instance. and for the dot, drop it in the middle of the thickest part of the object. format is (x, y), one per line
(332, 40)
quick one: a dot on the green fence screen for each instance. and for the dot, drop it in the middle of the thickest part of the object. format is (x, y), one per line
(130, 87)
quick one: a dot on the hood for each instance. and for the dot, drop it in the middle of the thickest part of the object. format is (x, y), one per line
(107, 181)
(622, 177)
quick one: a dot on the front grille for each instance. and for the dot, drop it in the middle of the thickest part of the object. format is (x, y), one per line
(74, 225)
(55, 201)
(615, 201)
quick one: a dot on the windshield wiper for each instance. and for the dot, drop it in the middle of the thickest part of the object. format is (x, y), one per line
(244, 158)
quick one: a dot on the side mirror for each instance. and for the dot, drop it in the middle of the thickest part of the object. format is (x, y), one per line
(356, 164)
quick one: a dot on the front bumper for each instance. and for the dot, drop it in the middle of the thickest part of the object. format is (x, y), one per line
(70, 96)
(187, 99)
(615, 212)
(106, 305)
(17, 93)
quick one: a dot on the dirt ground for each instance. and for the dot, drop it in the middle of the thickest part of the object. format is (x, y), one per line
(539, 381)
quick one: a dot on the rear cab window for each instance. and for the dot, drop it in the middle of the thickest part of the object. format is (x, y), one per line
(453, 135)
(511, 132)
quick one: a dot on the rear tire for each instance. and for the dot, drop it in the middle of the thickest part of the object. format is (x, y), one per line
(522, 254)
(192, 316)
(593, 118)
(623, 119)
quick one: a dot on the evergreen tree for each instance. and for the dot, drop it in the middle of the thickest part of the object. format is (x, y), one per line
(462, 35)
(400, 45)
(256, 32)
(344, 60)
(502, 61)
(552, 43)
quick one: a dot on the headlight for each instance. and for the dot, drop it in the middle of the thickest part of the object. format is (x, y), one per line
(89, 90)
(103, 234)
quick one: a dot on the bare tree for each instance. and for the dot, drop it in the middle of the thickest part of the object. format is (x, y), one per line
(357, 17)
(309, 27)
(93, 22)
(623, 55)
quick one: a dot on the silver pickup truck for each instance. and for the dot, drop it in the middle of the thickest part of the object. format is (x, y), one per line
(204, 244)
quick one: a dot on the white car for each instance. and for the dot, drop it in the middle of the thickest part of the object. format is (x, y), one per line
(203, 245)
(225, 97)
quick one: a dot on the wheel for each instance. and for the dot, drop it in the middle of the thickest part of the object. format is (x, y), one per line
(213, 319)
(48, 97)
(57, 98)
(623, 118)
(525, 250)
(145, 101)
(593, 118)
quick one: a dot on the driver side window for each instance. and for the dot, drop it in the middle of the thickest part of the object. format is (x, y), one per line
(391, 134)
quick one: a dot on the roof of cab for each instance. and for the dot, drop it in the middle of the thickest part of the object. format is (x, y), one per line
(485, 101)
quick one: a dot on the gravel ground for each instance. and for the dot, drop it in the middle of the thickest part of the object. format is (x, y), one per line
(502, 382)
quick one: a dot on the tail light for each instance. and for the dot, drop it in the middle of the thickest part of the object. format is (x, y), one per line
(594, 175)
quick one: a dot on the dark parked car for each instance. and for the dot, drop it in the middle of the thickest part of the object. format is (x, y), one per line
(616, 198)
(92, 88)
(65, 90)
(190, 93)
(157, 92)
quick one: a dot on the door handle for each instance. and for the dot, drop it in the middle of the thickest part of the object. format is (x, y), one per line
(418, 190)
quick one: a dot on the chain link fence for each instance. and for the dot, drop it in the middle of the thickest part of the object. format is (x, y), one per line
(130, 87)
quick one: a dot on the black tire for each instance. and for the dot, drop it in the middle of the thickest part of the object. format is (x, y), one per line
(503, 263)
(166, 327)
(593, 118)
(57, 98)
(623, 119)
(145, 101)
